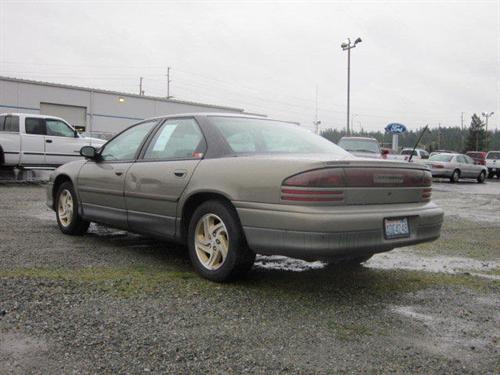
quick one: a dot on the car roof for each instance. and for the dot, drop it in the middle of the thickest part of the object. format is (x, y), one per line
(360, 138)
(31, 115)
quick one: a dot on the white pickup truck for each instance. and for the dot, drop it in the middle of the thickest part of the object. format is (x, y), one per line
(493, 163)
(36, 141)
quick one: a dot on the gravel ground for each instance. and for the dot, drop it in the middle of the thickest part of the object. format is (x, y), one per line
(113, 302)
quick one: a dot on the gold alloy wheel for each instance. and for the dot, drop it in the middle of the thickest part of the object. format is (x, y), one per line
(211, 241)
(65, 208)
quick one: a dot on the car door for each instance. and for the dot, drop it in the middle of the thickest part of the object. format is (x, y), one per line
(465, 170)
(473, 169)
(101, 182)
(33, 142)
(62, 143)
(154, 183)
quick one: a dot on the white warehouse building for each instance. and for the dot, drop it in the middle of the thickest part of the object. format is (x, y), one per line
(96, 112)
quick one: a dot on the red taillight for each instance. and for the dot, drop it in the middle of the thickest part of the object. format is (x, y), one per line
(438, 166)
(426, 194)
(329, 177)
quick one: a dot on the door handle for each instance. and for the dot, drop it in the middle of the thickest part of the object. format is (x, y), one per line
(180, 172)
(118, 173)
(48, 140)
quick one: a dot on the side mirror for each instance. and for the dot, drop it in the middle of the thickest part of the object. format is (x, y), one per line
(89, 152)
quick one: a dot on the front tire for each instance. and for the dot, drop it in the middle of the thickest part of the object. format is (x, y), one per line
(481, 177)
(455, 176)
(216, 243)
(68, 219)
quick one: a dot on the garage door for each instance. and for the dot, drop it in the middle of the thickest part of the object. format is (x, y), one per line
(76, 116)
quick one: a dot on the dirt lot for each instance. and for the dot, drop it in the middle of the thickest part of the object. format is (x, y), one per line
(112, 302)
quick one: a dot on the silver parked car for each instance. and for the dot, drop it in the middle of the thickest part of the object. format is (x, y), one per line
(455, 167)
(230, 186)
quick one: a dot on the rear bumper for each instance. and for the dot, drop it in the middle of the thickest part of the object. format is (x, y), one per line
(322, 233)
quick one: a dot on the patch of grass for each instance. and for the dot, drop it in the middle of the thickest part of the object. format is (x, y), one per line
(124, 282)
(333, 287)
(460, 237)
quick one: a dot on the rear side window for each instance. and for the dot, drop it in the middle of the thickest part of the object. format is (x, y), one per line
(9, 123)
(176, 139)
(35, 126)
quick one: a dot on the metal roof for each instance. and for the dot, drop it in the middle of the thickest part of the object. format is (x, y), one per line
(118, 93)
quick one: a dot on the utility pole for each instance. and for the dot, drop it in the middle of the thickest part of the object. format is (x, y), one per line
(462, 131)
(168, 83)
(347, 46)
(316, 122)
(141, 91)
(439, 136)
(487, 115)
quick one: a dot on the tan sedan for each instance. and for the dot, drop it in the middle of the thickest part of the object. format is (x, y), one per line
(230, 186)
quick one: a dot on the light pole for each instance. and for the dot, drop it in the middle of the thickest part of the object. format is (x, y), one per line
(487, 115)
(347, 46)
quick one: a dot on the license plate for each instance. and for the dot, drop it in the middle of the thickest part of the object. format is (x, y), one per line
(396, 228)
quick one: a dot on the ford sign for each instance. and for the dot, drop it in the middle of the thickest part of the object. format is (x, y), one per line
(395, 128)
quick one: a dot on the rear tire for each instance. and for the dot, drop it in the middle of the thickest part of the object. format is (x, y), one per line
(66, 206)
(216, 243)
(481, 177)
(491, 175)
(455, 176)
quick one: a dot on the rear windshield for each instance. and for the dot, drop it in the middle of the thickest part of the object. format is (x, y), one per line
(441, 157)
(253, 136)
(493, 155)
(360, 145)
(408, 152)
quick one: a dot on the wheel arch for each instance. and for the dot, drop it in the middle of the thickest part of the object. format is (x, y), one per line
(194, 201)
(2, 156)
(59, 180)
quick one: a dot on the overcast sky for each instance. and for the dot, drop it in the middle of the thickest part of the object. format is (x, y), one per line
(419, 62)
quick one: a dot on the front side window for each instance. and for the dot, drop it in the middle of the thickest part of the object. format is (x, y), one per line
(460, 159)
(126, 145)
(468, 159)
(176, 139)
(58, 128)
(35, 126)
(252, 135)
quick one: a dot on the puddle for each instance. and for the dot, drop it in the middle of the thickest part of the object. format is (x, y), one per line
(282, 263)
(104, 231)
(446, 331)
(406, 260)
(396, 259)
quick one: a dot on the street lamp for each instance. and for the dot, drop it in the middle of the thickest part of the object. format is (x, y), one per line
(347, 46)
(487, 115)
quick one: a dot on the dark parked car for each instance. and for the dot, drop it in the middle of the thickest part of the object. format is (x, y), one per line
(478, 156)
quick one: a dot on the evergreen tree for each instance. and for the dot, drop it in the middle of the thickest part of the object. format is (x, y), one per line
(477, 134)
